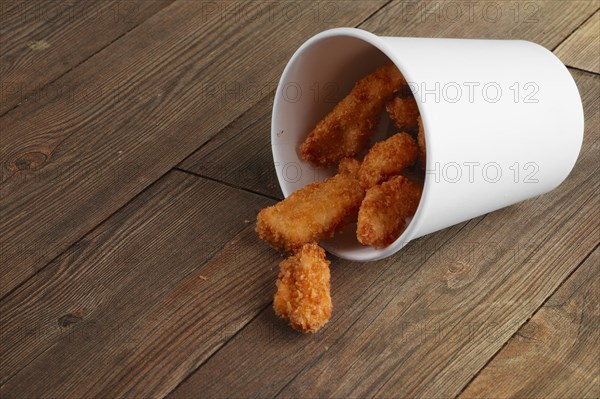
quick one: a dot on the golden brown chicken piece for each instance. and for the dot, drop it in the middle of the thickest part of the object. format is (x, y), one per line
(387, 158)
(383, 213)
(303, 290)
(344, 132)
(421, 142)
(404, 112)
(349, 166)
(312, 213)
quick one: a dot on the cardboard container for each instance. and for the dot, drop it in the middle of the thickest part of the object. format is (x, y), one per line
(503, 121)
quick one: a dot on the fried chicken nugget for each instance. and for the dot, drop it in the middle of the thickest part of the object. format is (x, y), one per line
(344, 132)
(404, 112)
(349, 166)
(421, 142)
(303, 289)
(387, 158)
(383, 213)
(312, 213)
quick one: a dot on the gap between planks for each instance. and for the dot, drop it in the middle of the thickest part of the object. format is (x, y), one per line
(584, 71)
(373, 13)
(192, 372)
(260, 194)
(527, 317)
(85, 234)
(573, 32)
(9, 292)
(85, 59)
(226, 184)
(527, 320)
(149, 187)
(183, 149)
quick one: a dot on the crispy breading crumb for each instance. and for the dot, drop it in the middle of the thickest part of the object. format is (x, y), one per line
(404, 112)
(303, 290)
(349, 166)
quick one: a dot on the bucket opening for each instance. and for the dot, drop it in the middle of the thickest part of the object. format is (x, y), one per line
(321, 73)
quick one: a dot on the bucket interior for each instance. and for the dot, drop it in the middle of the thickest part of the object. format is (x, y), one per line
(319, 75)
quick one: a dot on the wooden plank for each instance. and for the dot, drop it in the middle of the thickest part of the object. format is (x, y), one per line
(582, 49)
(41, 40)
(426, 325)
(141, 106)
(354, 285)
(555, 354)
(345, 276)
(141, 278)
(241, 153)
(142, 299)
(488, 19)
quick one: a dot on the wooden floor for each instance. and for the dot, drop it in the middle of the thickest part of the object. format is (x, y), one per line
(135, 156)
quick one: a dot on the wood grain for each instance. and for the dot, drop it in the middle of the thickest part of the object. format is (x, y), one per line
(160, 276)
(425, 326)
(40, 41)
(285, 351)
(582, 48)
(241, 153)
(546, 22)
(555, 354)
(174, 282)
(142, 299)
(140, 107)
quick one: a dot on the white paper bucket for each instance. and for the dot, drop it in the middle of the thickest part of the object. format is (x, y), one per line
(503, 121)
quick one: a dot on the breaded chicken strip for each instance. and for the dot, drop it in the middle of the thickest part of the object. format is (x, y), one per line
(404, 112)
(421, 142)
(387, 158)
(349, 166)
(312, 213)
(383, 213)
(344, 132)
(303, 290)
